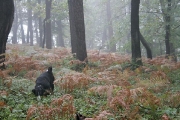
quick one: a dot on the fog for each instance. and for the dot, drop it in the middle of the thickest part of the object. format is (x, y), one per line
(107, 24)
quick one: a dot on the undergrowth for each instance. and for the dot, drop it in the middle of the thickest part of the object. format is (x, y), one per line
(105, 88)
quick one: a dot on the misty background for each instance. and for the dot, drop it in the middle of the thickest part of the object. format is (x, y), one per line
(107, 23)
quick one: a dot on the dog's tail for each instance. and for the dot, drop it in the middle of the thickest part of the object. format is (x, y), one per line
(50, 69)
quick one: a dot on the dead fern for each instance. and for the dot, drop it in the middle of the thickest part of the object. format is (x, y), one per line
(124, 100)
(102, 90)
(32, 74)
(60, 108)
(104, 115)
(72, 81)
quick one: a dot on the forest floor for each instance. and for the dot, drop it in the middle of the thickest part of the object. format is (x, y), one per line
(104, 89)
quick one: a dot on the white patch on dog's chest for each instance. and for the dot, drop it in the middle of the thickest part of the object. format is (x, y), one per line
(38, 98)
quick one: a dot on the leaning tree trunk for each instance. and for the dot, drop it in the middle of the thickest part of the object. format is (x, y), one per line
(6, 20)
(145, 44)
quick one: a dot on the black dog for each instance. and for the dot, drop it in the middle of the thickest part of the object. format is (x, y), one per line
(44, 83)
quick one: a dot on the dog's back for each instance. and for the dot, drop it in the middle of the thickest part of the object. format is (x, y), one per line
(46, 79)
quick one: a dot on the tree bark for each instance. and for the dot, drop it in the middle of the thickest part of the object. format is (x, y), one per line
(135, 36)
(15, 27)
(170, 50)
(6, 20)
(48, 25)
(167, 18)
(76, 14)
(167, 36)
(72, 26)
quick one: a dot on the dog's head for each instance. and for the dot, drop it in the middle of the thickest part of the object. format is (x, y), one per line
(38, 91)
(41, 92)
(50, 73)
(50, 70)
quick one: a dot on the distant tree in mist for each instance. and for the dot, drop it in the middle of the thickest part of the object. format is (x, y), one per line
(168, 16)
(60, 39)
(107, 25)
(15, 26)
(112, 45)
(30, 26)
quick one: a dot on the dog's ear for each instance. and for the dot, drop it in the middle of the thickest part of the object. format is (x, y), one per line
(34, 91)
(50, 69)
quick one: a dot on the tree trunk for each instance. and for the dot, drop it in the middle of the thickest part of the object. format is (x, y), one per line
(112, 45)
(40, 28)
(170, 50)
(48, 25)
(44, 28)
(72, 26)
(135, 36)
(30, 26)
(27, 37)
(60, 40)
(145, 44)
(167, 36)
(15, 27)
(22, 34)
(104, 36)
(36, 29)
(77, 21)
(22, 29)
(6, 20)
(40, 32)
